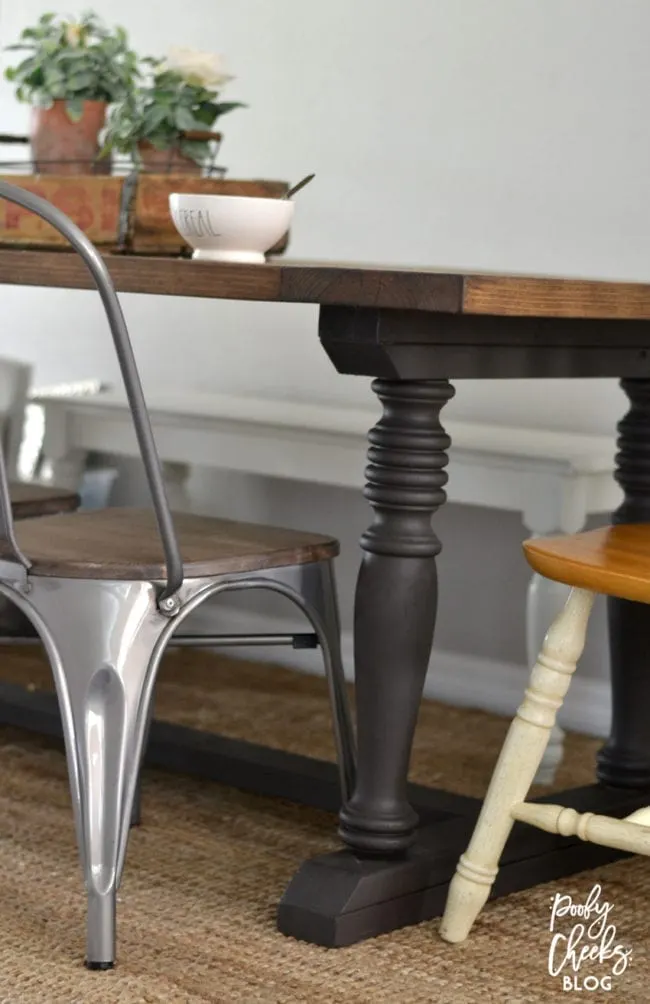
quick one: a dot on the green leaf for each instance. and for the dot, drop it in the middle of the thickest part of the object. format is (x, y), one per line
(184, 119)
(74, 109)
(81, 82)
(162, 142)
(206, 113)
(154, 116)
(229, 106)
(198, 150)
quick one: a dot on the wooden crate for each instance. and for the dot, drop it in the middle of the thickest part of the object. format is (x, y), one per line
(129, 214)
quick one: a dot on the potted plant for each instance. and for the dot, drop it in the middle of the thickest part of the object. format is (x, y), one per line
(168, 124)
(73, 71)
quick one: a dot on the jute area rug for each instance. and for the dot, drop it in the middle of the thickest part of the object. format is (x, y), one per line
(205, 871)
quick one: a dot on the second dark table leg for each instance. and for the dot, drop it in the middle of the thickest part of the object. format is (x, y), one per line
(625, 759)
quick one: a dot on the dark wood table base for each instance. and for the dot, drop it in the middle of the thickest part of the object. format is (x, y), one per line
(339, 898)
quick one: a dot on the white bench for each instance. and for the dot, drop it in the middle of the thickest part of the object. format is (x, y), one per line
(554, 480)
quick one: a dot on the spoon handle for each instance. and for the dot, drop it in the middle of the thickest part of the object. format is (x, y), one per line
(301, 184)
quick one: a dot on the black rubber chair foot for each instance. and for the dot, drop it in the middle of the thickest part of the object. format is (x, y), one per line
(102, 966)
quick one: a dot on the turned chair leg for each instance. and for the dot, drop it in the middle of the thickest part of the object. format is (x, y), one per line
(517, 764)
(545, 600)
(104, 641)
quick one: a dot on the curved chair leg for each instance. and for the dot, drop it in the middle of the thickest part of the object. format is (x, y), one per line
(136, 808)
(519, 759)
(105, 641)
(315, 589)
(311, 587)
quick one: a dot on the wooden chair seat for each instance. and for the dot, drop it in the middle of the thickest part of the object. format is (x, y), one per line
(614, 560)
(29, 500)
(123, 543)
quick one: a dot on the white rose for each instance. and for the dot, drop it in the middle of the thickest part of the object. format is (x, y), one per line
(73, 34)
(203, 68)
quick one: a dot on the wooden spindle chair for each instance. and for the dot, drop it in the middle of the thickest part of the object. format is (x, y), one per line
(614, 561)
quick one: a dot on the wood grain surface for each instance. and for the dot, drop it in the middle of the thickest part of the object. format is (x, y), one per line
(345, 285)
(527, 297)
(614, 560)
(124, 544)
(29, 500)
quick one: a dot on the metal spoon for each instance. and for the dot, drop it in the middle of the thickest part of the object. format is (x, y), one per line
(301, 184)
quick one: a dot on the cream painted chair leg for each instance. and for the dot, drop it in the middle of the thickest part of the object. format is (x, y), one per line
(517, 764)
(545, 600)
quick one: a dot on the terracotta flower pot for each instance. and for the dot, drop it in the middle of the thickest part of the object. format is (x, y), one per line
(60, 146)
(170, 161)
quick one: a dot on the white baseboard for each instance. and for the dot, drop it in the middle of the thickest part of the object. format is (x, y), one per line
(456, 678)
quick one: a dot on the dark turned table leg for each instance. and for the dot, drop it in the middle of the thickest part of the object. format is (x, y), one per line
(395, 614)
(395, 608)
(625, 759)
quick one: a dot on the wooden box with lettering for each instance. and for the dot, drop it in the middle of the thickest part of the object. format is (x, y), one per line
(92, 202)
(128, 214)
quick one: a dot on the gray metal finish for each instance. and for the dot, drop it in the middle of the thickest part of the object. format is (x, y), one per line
(105, 640)
(206, 640)
(312, 589)
(237, 640)
(124, 351)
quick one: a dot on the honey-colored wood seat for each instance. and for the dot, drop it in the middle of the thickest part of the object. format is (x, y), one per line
(124, 543)
(614, 560)
(28, 501)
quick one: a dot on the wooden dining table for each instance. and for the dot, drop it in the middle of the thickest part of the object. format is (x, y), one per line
(414, 331)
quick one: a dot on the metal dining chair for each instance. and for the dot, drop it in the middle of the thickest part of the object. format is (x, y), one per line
(106, 589)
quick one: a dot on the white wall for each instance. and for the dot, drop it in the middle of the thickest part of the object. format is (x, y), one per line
(508, 135)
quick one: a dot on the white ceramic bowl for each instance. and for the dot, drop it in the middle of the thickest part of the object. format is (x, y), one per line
(230, 227)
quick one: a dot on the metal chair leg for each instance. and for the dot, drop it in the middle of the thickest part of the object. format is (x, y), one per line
(320, 594)
(314, 591)
(105, 641)
(312, 588)
(136, 808)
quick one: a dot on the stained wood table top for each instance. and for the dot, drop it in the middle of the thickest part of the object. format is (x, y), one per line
(329, 283)
(28, 500)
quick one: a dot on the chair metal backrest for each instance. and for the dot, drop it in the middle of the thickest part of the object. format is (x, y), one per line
(124, 351)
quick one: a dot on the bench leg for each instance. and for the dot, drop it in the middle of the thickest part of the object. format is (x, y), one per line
(176, 477)
(67, 470)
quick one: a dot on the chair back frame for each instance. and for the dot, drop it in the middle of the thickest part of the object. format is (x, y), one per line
(135, 396)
